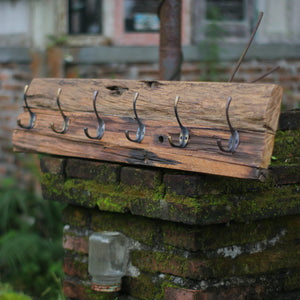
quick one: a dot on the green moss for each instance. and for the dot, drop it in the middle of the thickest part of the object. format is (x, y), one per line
(52, 184)
(139, 228)
(286, 148)
(207, 209)
(275, 259)
(292, 282)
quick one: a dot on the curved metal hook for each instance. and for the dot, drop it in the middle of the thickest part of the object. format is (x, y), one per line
(32, 114)
(141, 129)
(101, 124)
(66, 121)
(184, 133)
(234, 140)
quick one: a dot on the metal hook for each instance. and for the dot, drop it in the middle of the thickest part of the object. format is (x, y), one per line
(32, 114)
(101, 124)
(66, 121)
(141, 129)
(184, 133)
(234, 140)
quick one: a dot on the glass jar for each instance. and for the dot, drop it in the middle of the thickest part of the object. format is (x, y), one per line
(108, 259)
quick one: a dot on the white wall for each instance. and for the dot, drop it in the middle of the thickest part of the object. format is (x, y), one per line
(15, 23)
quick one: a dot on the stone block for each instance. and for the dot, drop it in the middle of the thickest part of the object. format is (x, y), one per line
(76, 243)
(52, 165)
(183, 184)
(91, 170)
(140, 177)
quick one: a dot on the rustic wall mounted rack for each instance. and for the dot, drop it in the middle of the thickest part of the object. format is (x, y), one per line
(203, 120)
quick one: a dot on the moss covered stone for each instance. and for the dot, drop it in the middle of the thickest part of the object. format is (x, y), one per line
(286, 148)
(207, 209)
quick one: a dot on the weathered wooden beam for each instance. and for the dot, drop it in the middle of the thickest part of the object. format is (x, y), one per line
(254, 112)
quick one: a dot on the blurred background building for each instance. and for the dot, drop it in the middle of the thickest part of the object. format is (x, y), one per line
(120, 38)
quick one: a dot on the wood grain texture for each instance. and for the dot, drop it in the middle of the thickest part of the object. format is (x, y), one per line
(254, 112)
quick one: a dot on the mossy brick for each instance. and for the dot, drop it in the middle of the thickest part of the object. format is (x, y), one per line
(53, 165)
(289, 120)
(76, 216)
(286, 148)
(140, 177)
(199, 267)
(168, 263)
(138, 228)
(275, 259)
(203, 238)
(91, 170)
(76, 243)
(183, 183)
(75, 268)
(221, 293)
(183, 294)
(75, 289)
(142, 287)
(292, 281)
(204, 210)
(289, 174)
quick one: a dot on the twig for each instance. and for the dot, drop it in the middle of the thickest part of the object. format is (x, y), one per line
(247, 47)
(265, 74)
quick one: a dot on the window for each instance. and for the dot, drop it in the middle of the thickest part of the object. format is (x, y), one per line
(233, 19)
(225, 10)
(141, 16)
(114, 22)
(85, 17)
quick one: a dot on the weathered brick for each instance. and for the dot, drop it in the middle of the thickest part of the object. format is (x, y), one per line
(138, 228)
(140, 177)
(52, 165)
(74, 267)
(90, 170)
(221, 293)
(183, 184)
(187, 294)
(76, 216)
(13, 86)
(76, 243)
(75, 289)
(168, 263)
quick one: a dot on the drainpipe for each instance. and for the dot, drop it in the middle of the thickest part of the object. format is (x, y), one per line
(170, 55)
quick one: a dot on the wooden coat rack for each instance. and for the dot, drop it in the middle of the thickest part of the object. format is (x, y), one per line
(253, 113)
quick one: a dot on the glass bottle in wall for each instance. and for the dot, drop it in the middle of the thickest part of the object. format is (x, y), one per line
(108, 258)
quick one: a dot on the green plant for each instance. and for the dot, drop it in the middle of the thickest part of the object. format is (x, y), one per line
(211, 46)
(30, 242)
(7, 293)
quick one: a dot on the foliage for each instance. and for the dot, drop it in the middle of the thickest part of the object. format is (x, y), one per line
(30, 242)
(7, 293)
(211, 47)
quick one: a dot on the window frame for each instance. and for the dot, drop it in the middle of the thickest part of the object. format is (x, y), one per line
(113, 28)
(244, 27)
(81, 40)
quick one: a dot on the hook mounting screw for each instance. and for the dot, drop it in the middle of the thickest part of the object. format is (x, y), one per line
(32, 114)
(234, 140)
(101, 124)
(184, 133)
(141, 129)
(66, 120)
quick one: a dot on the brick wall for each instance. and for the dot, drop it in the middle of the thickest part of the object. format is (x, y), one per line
(13, 78)
(192, 236)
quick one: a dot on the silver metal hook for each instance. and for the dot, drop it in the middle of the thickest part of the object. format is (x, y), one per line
(184, 133)
(234, 140)
(141, 129)
(32, 114)
(66, 120)
(101, 124)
